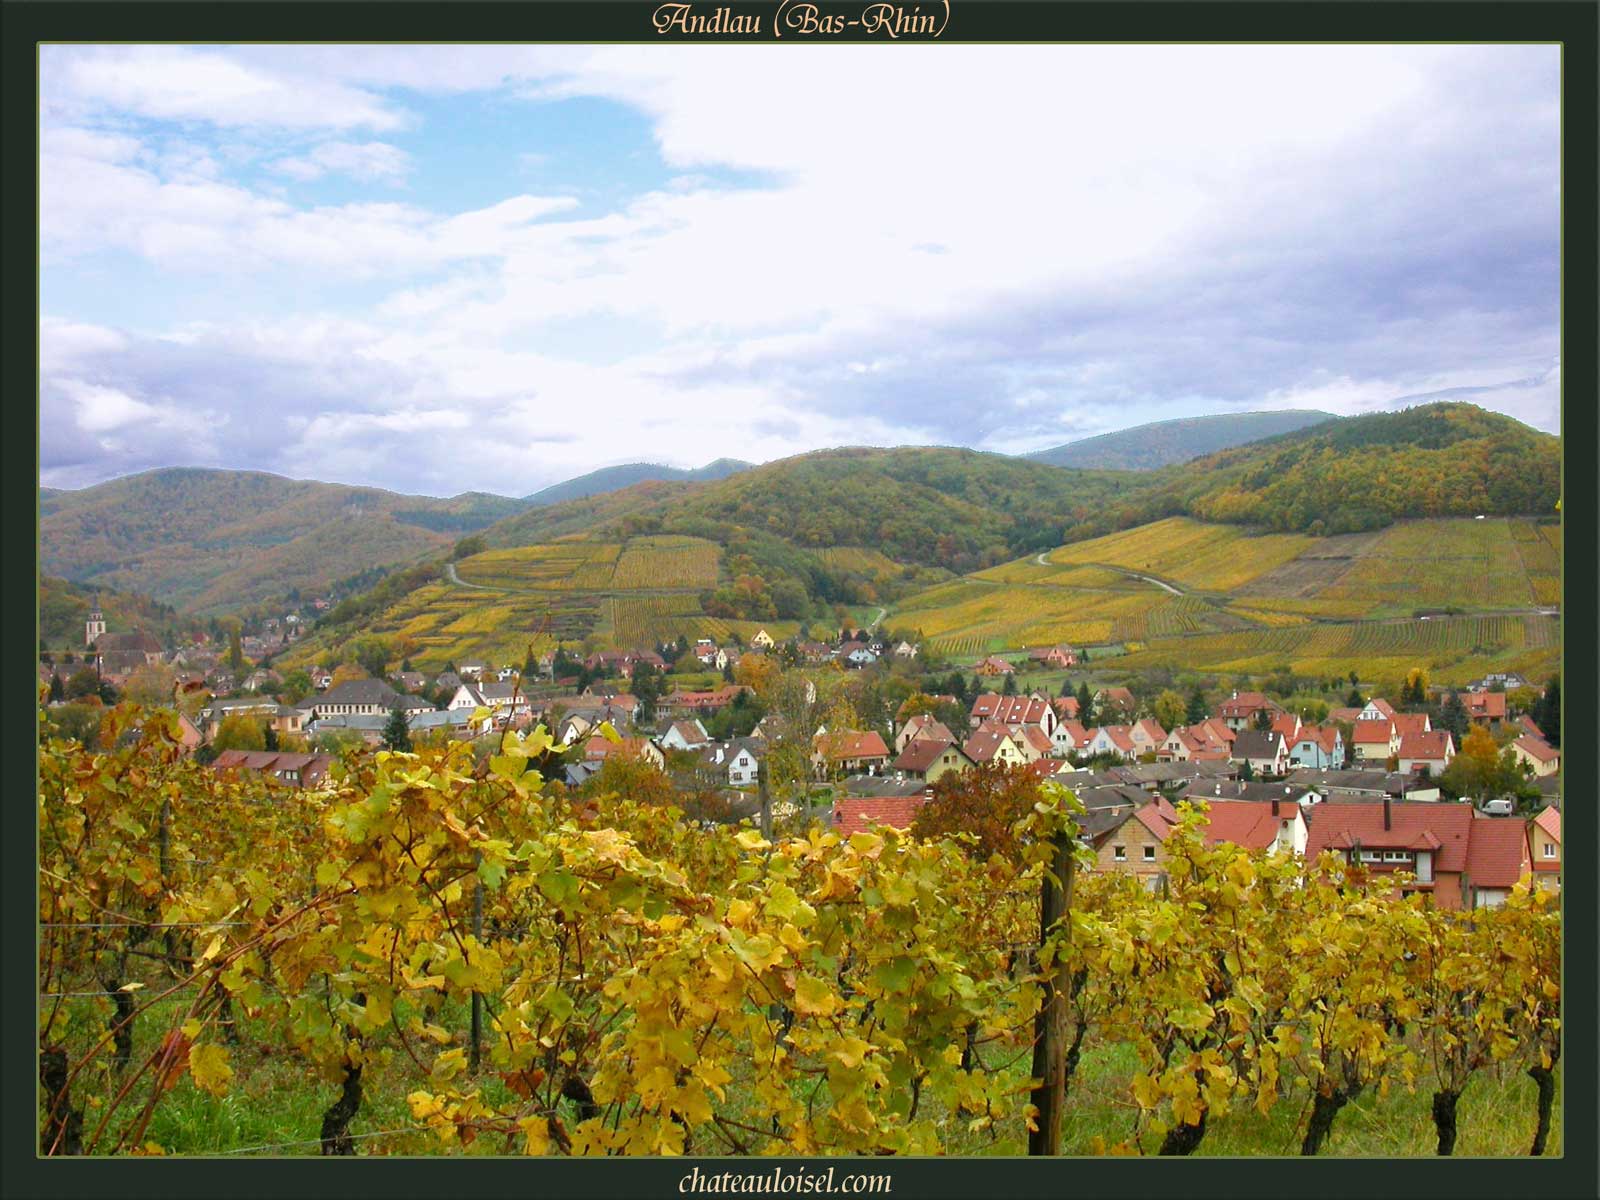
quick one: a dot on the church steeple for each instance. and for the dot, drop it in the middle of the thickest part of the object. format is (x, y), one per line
(94, 626)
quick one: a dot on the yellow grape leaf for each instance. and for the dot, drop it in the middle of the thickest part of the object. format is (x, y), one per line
(536, 1130)
(212, 949)
(208, 1065)
(813, 997)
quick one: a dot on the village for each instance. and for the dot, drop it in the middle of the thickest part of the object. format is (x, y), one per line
(856, 732)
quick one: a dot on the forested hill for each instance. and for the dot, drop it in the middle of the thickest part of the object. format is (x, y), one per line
(65, 606)
(1162, 443)
(211, 540)
(1356, 473)
(939, 506)
(611, 479)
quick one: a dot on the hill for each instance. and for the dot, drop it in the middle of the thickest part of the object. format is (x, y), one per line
(207, 540)
(772, 547)
(1352, 474)
(612, 479)
(64, 607)
(1185, 594)
(1163, 443)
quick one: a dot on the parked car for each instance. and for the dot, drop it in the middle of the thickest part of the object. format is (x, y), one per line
(1502, 807)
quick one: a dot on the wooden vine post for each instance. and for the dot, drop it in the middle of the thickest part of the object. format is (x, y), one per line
(1049, 1030)
(477, 997)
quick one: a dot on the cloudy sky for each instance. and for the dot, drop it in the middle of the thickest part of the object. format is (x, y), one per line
(439, 269)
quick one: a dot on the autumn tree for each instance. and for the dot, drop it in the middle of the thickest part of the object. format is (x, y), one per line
(85, 681)
(1414, 692)
(240, 732)
(986, 801)
(1169, 709)
(151, 686)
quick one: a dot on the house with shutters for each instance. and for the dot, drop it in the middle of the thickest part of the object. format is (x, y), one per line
(1263, 749)
(1070, 738)
(738, 760)
(928, 759)
(1116, 740)
(1537, 755)
(1544, 848)
(1485, 708)
(923, 725)
(1459, 859)
(361, 697)
(1239, 710)
(1428, 752)
(848, 750)
(1015, 711)
(992, 742)
(1319, 747)
(1374, 740)
(685, 735)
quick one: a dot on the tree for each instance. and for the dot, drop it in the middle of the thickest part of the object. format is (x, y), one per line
(269, 737)
(235, 650)
(646, 686)
(372, 654)
(296, 686)
(986, 801)
(1453, 717)
(1085, 705)
(1197, 710)
(1355, 699)
(85, 681)
(1414, 692)
(346, 673)
(396, 730)
(1169, 709)
(151, 686)
(81, 722)
(57, 692)
(1263, 719)
(467, 547)
(1547, 712)
(1246, 771)
(1009, 688)
(240, 732)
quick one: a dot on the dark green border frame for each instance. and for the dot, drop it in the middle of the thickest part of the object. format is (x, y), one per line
(1574, 24)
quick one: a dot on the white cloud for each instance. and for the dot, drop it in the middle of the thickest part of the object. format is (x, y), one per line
(1003, 246)
(377, 161)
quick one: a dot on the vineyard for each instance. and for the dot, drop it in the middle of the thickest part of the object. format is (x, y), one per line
(561, 565)
(1384, 649)
(429, 956)
(1211, 558)
(663, 562)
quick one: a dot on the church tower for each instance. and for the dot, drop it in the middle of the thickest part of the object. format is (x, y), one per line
(94, 626)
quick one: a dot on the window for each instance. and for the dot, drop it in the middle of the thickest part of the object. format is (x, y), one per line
(1549, 849)
(1396, 856)
(1119, 853)
(1149, 854)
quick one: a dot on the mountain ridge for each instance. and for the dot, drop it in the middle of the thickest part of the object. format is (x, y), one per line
(1157, 444)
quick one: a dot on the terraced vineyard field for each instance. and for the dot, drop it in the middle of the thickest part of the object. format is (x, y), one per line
(1540, 549)
(1209, 558)
(1417, 564)
(1461, 646)
(558, 566)
(648, 620)
(667, 562)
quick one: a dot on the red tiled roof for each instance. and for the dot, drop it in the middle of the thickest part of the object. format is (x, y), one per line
(1037, 738)
(1288, 725)
(1066, 706)
(1119, 735)
(1244, 703)
(1382, 706)
(1406, 724)
(1154, 818)
(1010, 710)
(1247, 823)
(1367, 732)
(1528, 723)
(1497, 854)
(1416, 826)
(1080, 735)
(1152, 730)
(983, 743)
(1121, 697)
(1348, 715)
(848, 744)
(1537, 748)
(857, 814)
(1487, 706)
(1549, 820)
(1433, 745)
(921, 753)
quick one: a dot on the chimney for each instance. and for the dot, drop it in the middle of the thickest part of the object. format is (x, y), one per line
(1274, 808)
(1386, 817)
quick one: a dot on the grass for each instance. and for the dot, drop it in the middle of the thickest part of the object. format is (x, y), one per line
(275, 1109)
